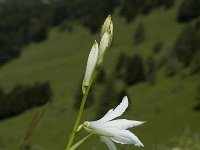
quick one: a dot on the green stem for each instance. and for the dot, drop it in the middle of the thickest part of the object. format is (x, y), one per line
(78, 118)
(36, 118)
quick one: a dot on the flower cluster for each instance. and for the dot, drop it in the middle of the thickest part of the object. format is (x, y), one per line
(96, 55)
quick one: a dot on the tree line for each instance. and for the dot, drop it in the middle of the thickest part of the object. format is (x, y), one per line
(25, 21)
(23, 97)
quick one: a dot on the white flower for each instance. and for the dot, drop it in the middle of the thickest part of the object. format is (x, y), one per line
(91, 66)
(114, 130)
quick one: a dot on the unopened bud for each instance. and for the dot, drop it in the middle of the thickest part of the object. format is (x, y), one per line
(107, 26)
(104, 44)
(91, 66)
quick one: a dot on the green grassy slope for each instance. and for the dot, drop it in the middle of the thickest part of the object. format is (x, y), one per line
(166, 106)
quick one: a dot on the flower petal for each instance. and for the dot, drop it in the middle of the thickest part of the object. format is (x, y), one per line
(118, 111)
(108, 142)
(121, 124)
(125, 137)
(91, 64)
(121, 136)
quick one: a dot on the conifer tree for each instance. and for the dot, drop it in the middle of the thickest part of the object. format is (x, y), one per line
(134, 72)
(139, 35)
(120, 66)
(151, 70)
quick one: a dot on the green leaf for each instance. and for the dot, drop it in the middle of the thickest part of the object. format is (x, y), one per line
(80, 142)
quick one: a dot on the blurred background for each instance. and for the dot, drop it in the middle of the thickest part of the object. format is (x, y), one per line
(154, 59)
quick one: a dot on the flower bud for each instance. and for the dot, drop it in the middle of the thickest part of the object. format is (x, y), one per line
(91, 66)
(107, 26)
(104, 44)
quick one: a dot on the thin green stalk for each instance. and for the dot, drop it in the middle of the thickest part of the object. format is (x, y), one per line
(71, 138)
(78, 118)
(36, 118)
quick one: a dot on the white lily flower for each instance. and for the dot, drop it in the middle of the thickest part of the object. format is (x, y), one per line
(114, 130)
(91, 65)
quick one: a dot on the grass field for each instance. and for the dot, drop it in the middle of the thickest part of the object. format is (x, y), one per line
(61, 59)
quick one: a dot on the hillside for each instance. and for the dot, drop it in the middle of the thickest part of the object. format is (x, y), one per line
(61, 59)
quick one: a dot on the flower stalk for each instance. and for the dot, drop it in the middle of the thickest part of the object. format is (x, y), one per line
(94, 62)
(71, 138)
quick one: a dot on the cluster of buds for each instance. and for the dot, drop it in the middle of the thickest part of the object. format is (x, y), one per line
(97, 52)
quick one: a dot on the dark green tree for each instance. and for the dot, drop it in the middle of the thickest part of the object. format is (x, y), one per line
(157, 47)
(130, 9)
(151, 70)
(195, 63)
(187, 44)
(188, 10)
(101, 77)
(139, 35)
(24, 97)
(1, 93)
(134, 72)
(120, 66)
(197, 107)
(38, 33)
(168, 3)
(25, 21)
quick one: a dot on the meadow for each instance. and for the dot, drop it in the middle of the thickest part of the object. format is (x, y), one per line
(167, 105)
